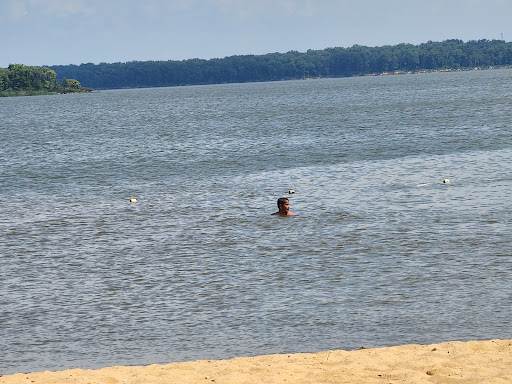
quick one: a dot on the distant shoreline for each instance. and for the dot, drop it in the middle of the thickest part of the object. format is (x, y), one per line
(439, 70)
(22, 93)
(422, 71)
(336, 62)
(377, 74)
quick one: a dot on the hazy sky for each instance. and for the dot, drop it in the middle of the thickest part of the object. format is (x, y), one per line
(50, 32)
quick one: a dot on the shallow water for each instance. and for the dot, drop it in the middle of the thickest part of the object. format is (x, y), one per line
(380, 252)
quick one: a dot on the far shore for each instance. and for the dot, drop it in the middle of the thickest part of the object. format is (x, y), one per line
(469, 362)
(22, 93)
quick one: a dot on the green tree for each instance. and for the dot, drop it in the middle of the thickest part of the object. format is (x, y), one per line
(337, 62)
(19, 79)
(4, 79)
(71, 84)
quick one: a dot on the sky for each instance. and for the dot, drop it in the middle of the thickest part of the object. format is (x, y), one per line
(61, 32)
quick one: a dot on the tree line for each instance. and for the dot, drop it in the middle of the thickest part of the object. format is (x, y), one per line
(330, 62)
(23, 80)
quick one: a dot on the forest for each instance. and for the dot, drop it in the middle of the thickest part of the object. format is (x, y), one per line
(23, 80)
(330, 62)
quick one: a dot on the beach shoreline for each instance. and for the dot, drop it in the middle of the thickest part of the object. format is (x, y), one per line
(488, 361)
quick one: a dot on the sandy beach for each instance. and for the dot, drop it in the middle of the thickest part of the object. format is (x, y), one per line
(451, 362)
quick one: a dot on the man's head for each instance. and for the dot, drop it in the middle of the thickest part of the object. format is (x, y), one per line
(283, 204)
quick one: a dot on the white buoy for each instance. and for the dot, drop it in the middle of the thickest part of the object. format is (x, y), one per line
(446, 181)
(291, 191)
(133, 200)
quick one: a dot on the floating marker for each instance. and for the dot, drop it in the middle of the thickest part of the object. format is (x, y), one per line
(291, 191)
(133, 200)
(446, 181)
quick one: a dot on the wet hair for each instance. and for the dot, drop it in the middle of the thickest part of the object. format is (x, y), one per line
(281, 201)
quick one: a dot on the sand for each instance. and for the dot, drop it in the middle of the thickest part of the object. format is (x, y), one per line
(450, 362)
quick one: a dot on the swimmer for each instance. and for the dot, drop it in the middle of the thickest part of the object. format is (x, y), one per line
(283, 204)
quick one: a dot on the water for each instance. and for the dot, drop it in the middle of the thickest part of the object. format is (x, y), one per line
(380, 251)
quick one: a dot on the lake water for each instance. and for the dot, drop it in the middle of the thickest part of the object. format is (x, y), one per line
(380, 252)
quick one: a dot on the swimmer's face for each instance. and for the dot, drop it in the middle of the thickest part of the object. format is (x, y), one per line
(284, 208)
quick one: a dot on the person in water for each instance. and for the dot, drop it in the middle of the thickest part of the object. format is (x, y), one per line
(283, 204)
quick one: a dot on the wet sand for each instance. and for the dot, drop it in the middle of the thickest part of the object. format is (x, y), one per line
(451, 362)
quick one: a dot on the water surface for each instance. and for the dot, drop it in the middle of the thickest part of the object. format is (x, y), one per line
(381, 252)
